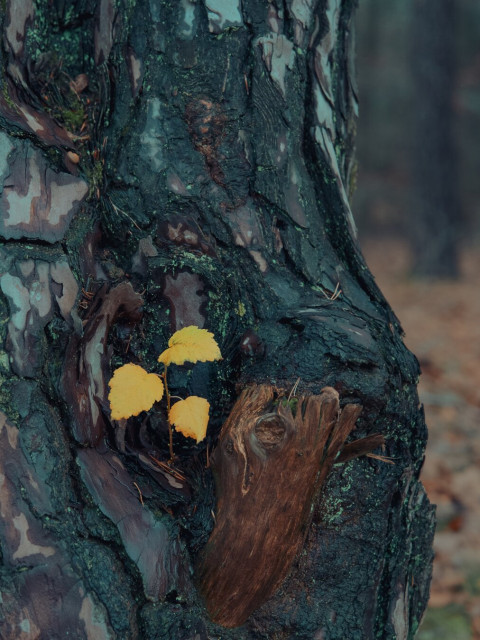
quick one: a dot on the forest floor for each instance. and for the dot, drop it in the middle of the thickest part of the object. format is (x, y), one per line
(441, 320)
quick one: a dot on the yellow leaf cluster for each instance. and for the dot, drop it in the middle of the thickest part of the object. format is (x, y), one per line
(190, 344)
(190, 417)
(133, 390)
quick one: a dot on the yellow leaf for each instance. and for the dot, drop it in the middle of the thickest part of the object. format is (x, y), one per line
(133, 390)
(190, 417)
(190, 344)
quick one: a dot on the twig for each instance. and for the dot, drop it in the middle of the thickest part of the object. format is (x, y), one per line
(140, 497)
(293, 390)
(170, 430)
(175, 473)
(118, 210)
(381, 458)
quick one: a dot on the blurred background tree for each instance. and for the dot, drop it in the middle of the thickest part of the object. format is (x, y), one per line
(436, 219)
(404, 50)
(419, 84)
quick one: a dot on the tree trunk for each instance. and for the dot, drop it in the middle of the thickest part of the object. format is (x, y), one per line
(188, 163)
(436, 219)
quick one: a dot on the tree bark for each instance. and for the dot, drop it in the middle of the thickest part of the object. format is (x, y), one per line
(437, 218)
(168, 164)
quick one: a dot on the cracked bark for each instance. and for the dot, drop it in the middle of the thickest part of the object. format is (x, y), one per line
(163, 164)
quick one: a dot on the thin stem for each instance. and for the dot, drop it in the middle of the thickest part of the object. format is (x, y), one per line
(170, 431)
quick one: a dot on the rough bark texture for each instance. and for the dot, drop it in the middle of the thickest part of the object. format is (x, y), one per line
(163, 164)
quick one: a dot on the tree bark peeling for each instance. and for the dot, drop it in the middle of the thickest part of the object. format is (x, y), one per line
(86, 366)
(146, 538)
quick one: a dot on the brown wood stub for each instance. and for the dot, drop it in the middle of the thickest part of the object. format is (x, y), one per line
(269, 466)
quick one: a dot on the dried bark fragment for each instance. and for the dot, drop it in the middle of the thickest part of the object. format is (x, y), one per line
(269, 468)
(136, 71)
(87, 361)
(146, 538)
(302, 13)
(324, 104)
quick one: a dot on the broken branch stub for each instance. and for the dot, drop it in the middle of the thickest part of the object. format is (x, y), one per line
(269, 466)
